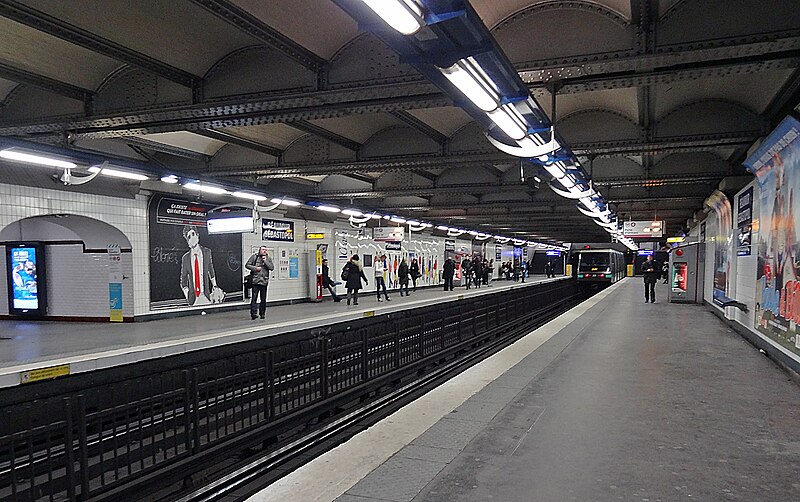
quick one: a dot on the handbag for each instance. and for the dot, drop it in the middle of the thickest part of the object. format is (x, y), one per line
(345, 273)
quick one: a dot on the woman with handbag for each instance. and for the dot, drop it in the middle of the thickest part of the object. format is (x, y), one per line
(352, 273)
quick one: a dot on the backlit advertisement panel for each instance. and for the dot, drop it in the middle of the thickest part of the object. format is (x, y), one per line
(26, 281)
(776, 165)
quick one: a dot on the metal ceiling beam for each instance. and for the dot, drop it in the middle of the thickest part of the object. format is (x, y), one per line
(48, 84)
(256, 28)
(785, 100)
(701, 142)
(168, 149)
(717, 58)
(415, 123)
(46, 23)
(240, 141)
(239, 111)
(308, 127)
(421, 191)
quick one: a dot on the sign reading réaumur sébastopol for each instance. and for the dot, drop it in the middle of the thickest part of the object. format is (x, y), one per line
(776, 165)
(277, 230)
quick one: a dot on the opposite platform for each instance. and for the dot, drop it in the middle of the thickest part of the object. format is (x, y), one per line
(619, 400)
(28, 345)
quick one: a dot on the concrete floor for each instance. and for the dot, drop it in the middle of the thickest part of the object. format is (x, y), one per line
(649, 402)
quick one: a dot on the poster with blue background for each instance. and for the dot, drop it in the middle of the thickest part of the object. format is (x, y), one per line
(24, 281)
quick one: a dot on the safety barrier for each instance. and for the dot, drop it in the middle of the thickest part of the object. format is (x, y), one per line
(97, 441)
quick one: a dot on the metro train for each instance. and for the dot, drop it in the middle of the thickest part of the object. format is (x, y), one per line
(600, 266)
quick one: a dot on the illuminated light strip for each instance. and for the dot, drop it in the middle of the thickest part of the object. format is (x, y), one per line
(404, 16)
(35, 159)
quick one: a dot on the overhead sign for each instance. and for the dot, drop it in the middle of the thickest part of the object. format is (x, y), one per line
(672, 240)
(277, 230)
(383, 234)
(643, 229)
(553, 253)
(393, 246)
(314, 237)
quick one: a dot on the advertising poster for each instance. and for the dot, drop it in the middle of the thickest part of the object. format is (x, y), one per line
(744, 222)
(24, 284)
(283, 264)
(189, 267)
(719, 202)
(277, 230)
(498, 252)
(776, 165)
(294, 263)
(679, 277)
(114, 283)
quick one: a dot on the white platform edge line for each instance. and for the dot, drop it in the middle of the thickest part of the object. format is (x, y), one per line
(330, 475)
(82, 363)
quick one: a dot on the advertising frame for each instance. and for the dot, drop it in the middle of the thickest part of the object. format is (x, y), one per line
(40, 278)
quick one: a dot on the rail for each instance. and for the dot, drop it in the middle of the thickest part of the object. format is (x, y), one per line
(107, 441)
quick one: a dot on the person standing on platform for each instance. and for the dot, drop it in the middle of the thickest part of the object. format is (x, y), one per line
(477, 271)
(650, 271)
(448, 270)
(466, 272)
(259, 265)
(413, 271)
(402, 276)
(352, 273)
(327, 282)
(549, 269)
(380, 281)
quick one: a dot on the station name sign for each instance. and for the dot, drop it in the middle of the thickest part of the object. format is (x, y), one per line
(277, 230)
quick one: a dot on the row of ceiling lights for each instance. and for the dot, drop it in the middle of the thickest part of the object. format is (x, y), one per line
(508, 114)
(357, 216)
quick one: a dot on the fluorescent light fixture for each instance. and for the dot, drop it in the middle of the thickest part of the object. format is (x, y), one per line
(555, 171)
(442, 227)
(386, 217)
(510, 121)
(473, 232)
(352, 212)
(537, 179)
(286, 202)
(205, 188)
(230, 225)
(376, 216)
(427, 225)
(397, 219)
(328, 209)
(35, 159)
(469, 78)
(115, 173)
(404, 16)
(171, 179)
(247, 195)
(413, 223)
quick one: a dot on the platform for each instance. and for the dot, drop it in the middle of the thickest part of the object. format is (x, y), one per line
(27, 345)
(614, 400)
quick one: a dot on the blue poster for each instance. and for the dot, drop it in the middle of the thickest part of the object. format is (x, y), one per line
(115, 301)
(294, 267)
(24, 279)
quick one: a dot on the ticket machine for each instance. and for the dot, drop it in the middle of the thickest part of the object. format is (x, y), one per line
(686, 268)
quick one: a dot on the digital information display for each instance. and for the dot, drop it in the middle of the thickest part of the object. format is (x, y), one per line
(26, 278)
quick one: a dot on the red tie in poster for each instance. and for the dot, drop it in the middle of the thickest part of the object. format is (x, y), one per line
(196, 277)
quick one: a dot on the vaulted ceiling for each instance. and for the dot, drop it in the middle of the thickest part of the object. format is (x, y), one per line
(660, 99)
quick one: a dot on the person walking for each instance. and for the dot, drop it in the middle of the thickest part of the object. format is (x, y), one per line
(259, 265)
(413, 271)
(650, 271)
(352, 273)
(448, 270)
(403, 275)
(380, 282)
(327, 282)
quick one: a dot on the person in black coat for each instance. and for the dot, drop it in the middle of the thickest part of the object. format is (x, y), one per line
(413, 271)
(650, 271)
(448, 270)
(403, 276)
(327, 282)
(354, 274)
(466, 272)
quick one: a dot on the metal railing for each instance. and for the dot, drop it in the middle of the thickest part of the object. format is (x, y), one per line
(94, 443)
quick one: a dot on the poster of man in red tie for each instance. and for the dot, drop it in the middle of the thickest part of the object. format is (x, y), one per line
(189, 267)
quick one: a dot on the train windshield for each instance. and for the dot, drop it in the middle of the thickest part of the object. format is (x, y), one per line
(594, 262)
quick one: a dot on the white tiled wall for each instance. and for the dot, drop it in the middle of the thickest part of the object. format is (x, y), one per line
(127, 215)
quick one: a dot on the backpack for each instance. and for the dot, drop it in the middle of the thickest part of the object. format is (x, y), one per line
(345, 272)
